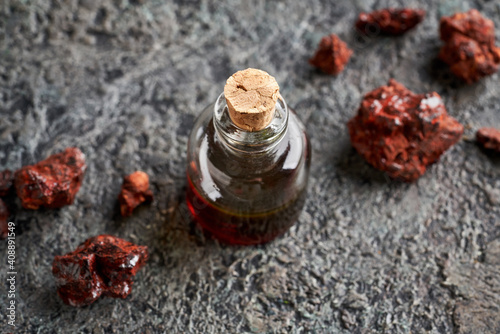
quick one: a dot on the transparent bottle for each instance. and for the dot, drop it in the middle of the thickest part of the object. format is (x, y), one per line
(247, 187)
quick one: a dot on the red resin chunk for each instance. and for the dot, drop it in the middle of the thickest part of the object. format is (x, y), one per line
(400, 132)
(6, 181)
(78, 283)
(332, 55)
(135, 191)
(469, 45)
(53, 182)
(102, 265)
(489, 138)
(4, 220)
(389, 21)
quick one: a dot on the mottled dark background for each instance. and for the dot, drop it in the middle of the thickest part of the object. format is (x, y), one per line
(124, 80)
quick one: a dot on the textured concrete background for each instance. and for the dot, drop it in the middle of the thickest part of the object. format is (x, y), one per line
(124, 80)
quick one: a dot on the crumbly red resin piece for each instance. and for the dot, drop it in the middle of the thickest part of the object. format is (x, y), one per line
(332, 55)
(389, 21)
(101, 266)
(4, 220)
(469, 48)
(53, 182)
(6, 182)
(489, 138)
(135, 191)
(400, 132)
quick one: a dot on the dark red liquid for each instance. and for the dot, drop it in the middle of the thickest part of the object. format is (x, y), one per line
(241, 226)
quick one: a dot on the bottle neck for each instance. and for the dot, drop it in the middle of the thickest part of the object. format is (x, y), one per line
(242, 140)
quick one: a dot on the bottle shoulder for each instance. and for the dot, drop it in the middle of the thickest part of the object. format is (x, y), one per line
(293, 147)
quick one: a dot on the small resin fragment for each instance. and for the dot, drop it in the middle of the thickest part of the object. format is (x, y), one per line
(53, 182)
(389, 21)
(6, 182)
(332, 55)
(489, 138)
(4, 220)
(469, 48)
(135, 191)
(102, 265)
(400, 132)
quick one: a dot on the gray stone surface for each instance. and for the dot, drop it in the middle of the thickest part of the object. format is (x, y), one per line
(124, 81)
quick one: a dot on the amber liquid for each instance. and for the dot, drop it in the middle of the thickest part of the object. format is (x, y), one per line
(243, 227)
(249, 194)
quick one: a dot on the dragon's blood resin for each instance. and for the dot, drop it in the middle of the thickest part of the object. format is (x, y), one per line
(135, 191)
(469, 46)
(102, 265)
(489, 138)
(400, 132)
(53, 182)
(389, 21)
(332, 55)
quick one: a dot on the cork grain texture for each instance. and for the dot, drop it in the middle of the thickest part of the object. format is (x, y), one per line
(124, 82)
(251, 96)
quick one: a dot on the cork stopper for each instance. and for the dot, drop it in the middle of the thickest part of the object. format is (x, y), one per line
(251, 97)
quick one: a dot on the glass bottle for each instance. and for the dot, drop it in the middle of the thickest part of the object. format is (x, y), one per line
(247, 187)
